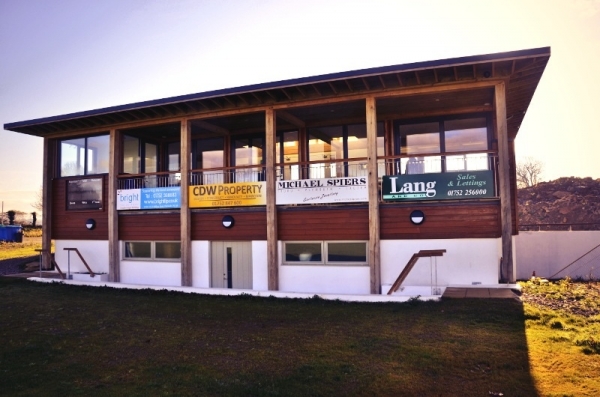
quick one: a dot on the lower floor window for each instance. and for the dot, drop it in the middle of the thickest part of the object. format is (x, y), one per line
(325, 253)
(152, 250)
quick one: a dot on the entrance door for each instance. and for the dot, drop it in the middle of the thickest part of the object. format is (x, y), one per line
(231, 264)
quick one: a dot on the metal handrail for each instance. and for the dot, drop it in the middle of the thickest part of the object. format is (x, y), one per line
(575, 261)
(92, 274)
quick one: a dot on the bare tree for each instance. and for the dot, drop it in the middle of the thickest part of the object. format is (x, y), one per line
(529, 172)
(38, 204)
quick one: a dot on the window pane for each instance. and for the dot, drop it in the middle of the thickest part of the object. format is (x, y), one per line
(209, 155)
(416, 139)
(151, 158)
(380, 140)
(347, 252)
(303, 252)
(248, 151)
(168, 250)
(357, 141)
(131, 155)
(173, 153)
(97, 154)
(466, 135)
(138, 250)
(72, 153)
(288, 155)
(326, 144)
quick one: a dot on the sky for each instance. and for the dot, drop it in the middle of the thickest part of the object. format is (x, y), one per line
(65, 56)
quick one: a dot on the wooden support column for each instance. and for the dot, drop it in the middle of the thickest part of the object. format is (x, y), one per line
(272, 257)
(506, 266)
(114, 167)
(186, 213)
(373, 196)
(49, 157)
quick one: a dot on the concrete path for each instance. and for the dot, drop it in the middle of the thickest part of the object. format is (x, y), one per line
(502, 293)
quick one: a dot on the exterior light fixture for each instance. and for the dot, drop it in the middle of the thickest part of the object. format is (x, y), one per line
(417, 217)
(228, 221)
(90, 224)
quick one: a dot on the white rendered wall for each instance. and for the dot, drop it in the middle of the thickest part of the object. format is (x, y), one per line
(548, 252)
(466, 261)
(260, 268)
(149, 272)
(95, 253)
(201, 264)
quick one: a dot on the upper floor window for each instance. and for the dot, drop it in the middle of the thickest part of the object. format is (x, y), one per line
(419, 144)
(84, 156)
(328, 144)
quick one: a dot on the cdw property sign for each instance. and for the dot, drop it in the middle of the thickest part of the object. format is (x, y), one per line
(450, 185)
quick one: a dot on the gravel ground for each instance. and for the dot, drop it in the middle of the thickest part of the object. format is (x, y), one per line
(11, 266)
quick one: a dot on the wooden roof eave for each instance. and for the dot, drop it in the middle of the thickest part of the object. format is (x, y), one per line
(134, 115)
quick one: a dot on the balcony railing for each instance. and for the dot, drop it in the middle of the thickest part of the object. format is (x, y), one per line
(253, 173)
(322, 169)
(437, 163)
(149, 180)
(386, 165)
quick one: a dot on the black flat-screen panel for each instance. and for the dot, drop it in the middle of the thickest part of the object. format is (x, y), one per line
(84, 194)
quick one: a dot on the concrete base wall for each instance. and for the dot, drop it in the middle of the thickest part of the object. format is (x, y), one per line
(466, 262)
(94, 252)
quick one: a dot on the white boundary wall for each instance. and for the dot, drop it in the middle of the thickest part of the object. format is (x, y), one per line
(548, 252)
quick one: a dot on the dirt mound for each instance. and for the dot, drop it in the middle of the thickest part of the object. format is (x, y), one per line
(573, 202)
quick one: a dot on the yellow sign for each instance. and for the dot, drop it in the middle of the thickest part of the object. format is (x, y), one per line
(228, 195)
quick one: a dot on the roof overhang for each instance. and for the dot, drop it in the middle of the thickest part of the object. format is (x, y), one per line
(521, 70)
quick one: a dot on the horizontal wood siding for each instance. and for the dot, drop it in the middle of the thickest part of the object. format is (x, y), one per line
(149, 227)
(70, 225)
(442, 221)
(249, 225)
(305, 224)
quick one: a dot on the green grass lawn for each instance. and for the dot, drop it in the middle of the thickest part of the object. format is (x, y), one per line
(72, 340)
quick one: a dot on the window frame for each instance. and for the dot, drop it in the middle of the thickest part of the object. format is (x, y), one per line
(399, 138)
(85, 164)
(152, 257)
(324, 254)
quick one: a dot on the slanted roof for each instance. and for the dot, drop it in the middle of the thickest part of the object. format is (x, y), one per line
(522, 70)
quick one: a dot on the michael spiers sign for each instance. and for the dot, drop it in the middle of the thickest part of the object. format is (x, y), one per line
(450, 185)
(322, 191)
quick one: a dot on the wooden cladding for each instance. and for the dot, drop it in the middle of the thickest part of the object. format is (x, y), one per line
(250, 224)
(316, 223)
(149, 227)
(442, 221)
(70, 225)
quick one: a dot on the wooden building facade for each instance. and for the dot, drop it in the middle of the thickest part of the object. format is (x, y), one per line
(320, 184)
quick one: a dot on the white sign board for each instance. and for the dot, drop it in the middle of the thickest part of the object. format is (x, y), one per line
(129, 199)
(322, 191)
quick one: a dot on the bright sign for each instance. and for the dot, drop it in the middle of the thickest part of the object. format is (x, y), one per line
(228, 195)
(149, 198)
(450, 185)
(322, 191)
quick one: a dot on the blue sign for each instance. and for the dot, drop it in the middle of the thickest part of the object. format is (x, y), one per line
(160, 197)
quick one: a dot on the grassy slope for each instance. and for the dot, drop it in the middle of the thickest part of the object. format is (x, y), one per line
(563, 333)
(98, 341)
